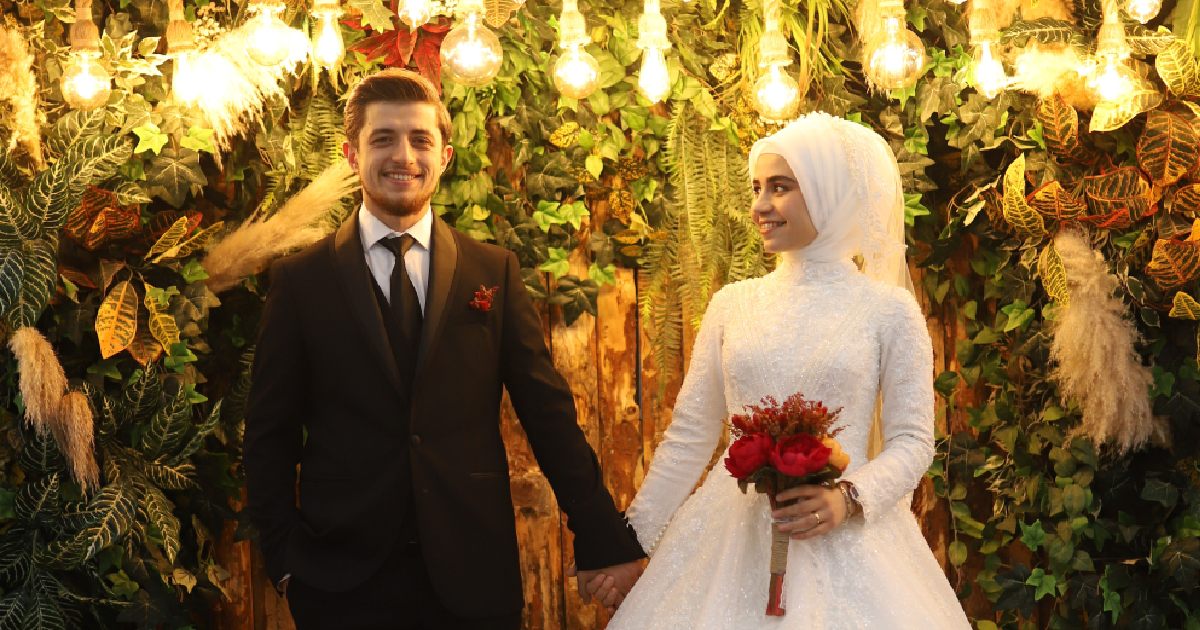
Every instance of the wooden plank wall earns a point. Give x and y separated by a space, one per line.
601 357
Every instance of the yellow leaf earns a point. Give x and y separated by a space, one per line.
197 242
116 321
1024 219
1178 69
1110 115
566 135
144 349
162 324
1185 307
170 238
1054 275
1174 263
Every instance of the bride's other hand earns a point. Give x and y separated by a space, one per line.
817 511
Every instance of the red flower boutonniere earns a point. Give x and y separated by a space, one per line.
483 298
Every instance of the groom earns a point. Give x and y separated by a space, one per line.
382 355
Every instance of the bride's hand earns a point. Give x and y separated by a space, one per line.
817 510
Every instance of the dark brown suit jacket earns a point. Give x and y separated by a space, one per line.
324 369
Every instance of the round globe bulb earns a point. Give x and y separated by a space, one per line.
414 13
85 83
776 95
1113 81
654 81
267 35
576 73
471 53
1143 10
990 78
329 48
900 60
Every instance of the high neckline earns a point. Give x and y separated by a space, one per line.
794 268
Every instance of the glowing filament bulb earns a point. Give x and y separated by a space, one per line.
776 94
900 60
1113 82
85 83
1143 10
414 13
654 82
329 48
576 73
268 35
186 84
471 53
990 78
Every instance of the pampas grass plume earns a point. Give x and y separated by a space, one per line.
42 380
18 86
73 432
254 244
1096 362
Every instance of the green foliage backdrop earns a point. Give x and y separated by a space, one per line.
1046 531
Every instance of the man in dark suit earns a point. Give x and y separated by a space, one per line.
381 359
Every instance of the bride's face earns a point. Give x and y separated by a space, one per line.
779 209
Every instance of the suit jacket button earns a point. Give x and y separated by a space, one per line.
415 439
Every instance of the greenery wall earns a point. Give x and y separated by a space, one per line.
1047 531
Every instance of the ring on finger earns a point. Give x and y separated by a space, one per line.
817 515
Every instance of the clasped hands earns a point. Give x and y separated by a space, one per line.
609 585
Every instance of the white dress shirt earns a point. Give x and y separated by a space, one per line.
380 259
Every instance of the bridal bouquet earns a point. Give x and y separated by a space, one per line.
779 446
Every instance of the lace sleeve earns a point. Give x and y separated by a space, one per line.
906 387
687 446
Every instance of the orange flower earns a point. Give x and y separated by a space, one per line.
837 457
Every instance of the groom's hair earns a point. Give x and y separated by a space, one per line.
393 85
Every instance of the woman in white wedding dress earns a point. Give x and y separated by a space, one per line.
825 189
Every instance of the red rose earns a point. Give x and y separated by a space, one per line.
800 455
748 454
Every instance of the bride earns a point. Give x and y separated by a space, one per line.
825 189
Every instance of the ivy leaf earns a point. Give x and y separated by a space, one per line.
200 139
172 174
946 383
1019 314
957 553
594 165
150 138
1161 492
557 264
1033 535
375 15
1182 561
606 275
1045 583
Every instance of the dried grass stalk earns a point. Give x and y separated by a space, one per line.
42 380
73 431
1096 362
19 87
254 244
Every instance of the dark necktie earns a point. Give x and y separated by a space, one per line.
404 304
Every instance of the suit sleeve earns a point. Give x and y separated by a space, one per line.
546 409
274 433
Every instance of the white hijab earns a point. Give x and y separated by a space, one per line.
851 185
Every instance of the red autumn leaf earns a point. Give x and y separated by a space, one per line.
428 54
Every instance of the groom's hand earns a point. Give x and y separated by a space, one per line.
608 585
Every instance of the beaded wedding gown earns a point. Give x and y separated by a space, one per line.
828 332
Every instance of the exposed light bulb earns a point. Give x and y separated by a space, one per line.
654 82
471 53
414 13
329 49
576 73
989 75
1143 10
186 82
1112 82
900 60
776 94
268 35
85 83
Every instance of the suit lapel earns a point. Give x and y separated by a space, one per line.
359 291
442 266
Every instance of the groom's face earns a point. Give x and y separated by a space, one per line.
399 156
